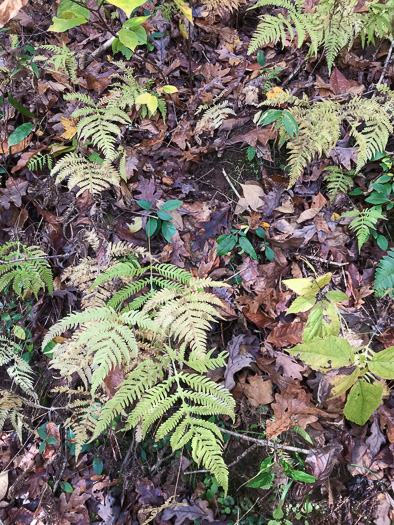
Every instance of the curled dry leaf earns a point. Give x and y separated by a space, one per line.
9 9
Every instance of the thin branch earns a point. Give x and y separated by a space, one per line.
385 67
264 442
231 184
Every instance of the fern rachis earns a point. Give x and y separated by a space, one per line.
384 276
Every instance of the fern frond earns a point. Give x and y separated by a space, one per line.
25 268
62 58
364 221
384 276
85 174
17 368
39 161
11 407
337 181
99 124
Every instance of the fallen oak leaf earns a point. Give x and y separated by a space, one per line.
258 391
9 9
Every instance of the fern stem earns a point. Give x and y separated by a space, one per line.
264 442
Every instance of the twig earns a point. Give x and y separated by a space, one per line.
264 442
326 261
37 258
228 466
231 184
385 67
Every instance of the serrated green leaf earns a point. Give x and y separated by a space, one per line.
382 363
336 296
363 399
301 304
20 133
341 383
225 245
325 352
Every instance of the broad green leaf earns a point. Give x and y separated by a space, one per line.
226 245
98 465
67 487
261 59
163 215
263 481
20 107
247 247
145 205
77 10
330 319
383 243
382 363
59 25
127 6
260 232
42 447
269 253
141 35
302 286
323 280
151 226
168 230
363 399
171 205
135 21
42 434
170 89
20 133
19 332
342 383
325 352
290 124
51 440
270 116
186 10
336 296
314 325
128 38
149 100
301 304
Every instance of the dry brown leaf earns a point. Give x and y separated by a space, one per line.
258 391
9 9
288 334
252 199
3 484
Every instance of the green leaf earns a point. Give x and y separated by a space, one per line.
383 243
278 513
151 226
357 191
51 440
170 89
148 99
20 107
261 59
247 247
41 432
269 253
135 22
336 296
263 481
77 10
260 232
98 465
382 363
163 215
168 230
363 399
226 244
128 38
42 447
270 116
145 205
59 25
377 198
341 383
67 487
307 286
301 304
299 475
290 124
251 153
171 205
20 133
325 352
127 6
19 332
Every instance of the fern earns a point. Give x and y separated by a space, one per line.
17 368
39 161
11 407
99 124
85 174
334 25
384 276
25 268
364 221
321 123
338 182
212 118
62 58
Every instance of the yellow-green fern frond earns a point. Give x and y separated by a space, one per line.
99 124
24 268
338 181
17 368
85 174
365 221
62 58
11 407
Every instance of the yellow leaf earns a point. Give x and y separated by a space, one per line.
59 339
183 29
274 92
335 217
136 225
128 6
186 10
149 100
70 126
170 89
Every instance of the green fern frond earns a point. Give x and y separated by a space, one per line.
39 161
17 368
25 268
11 407
365 221
99 124
85 174
62 58
338 181
384 276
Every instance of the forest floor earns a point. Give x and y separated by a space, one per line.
228 175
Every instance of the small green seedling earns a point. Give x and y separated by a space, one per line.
238 238
282 118
47 440
160 220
